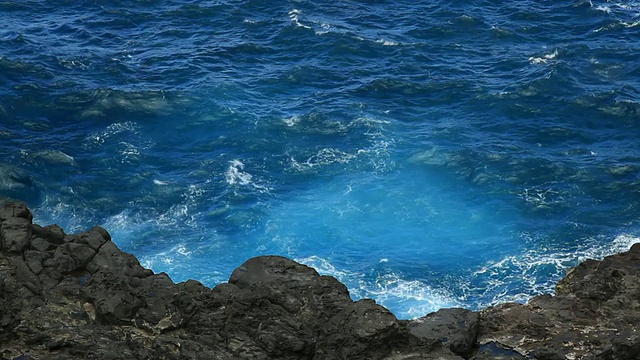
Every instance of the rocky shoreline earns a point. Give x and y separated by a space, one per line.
78 296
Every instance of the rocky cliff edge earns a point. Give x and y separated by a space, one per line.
78 296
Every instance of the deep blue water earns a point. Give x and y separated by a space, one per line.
427 153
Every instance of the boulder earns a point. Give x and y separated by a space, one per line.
456 329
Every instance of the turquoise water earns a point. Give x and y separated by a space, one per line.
427 154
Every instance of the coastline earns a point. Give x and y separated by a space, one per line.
77 296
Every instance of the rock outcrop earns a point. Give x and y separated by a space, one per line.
79 297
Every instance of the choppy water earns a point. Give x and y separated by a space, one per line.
427 153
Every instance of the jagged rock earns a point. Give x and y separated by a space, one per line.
79 297
595 315
15 234
52 233
9 210
456 329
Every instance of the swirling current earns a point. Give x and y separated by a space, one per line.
426 153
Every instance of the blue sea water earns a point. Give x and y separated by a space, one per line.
428 154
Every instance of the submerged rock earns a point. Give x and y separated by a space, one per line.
79 297
16 183
50 156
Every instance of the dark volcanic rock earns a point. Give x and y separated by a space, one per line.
595 315
79 297
456 329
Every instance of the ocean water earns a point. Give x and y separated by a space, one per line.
428 154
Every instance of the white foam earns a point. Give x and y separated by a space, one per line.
631 6
182 250
603 8
324 266
174 213
182 214
129 152
54 210
169 260
119 221
235 174
294 16
377 152
387 42
528 267
544 59
622 242
323 157
541 197
126 224
72 64
407 298
619 10
291 121
326 28
113 129
415 296
604 28
630 24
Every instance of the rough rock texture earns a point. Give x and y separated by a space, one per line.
594 315
79 297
